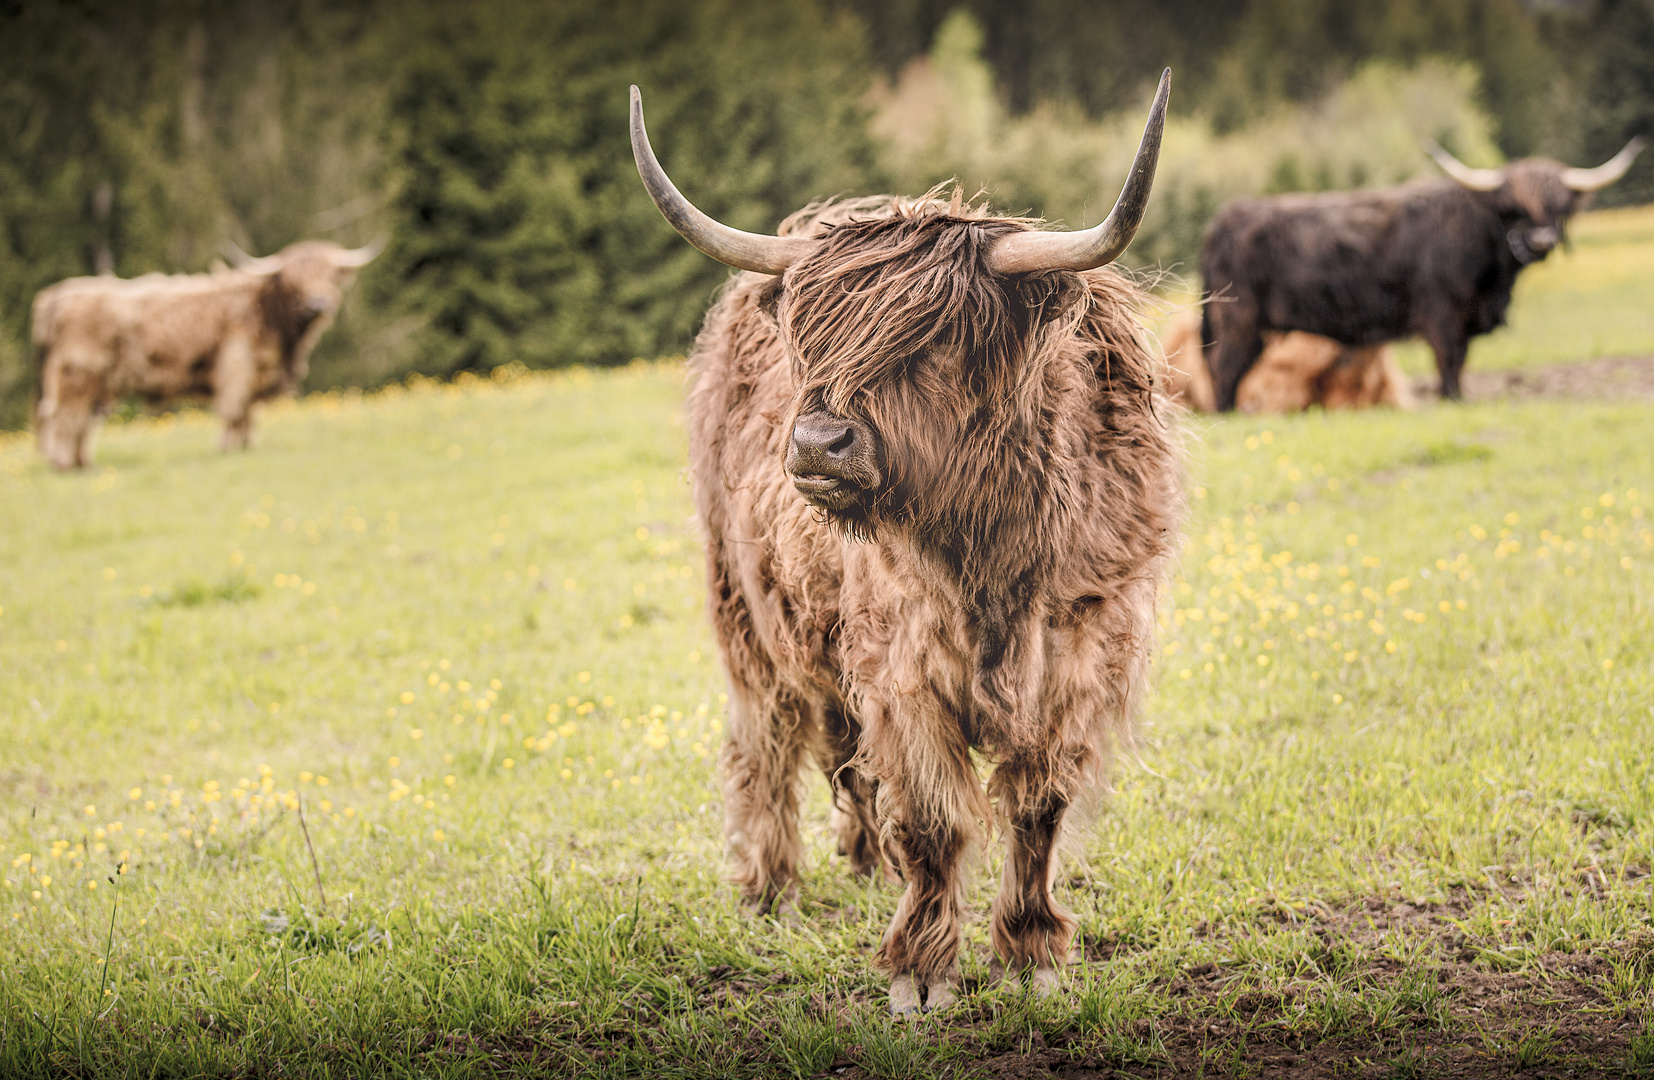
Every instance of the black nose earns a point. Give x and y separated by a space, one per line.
831 460
824 444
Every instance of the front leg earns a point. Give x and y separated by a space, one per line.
234 376
1451 345
921 946
929 806
1236 348
1031 931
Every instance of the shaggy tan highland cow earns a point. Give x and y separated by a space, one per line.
235 337
939 496
1295 371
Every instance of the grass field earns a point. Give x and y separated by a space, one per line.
388 749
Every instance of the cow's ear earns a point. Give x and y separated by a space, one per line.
1057 296
769 301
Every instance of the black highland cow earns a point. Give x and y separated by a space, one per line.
1432 258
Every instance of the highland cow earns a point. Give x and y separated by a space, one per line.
940 495
1433 258
235 337
1294 372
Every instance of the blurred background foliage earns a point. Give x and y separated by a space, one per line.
487 141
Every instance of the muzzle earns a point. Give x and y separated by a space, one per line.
831 460
1531 245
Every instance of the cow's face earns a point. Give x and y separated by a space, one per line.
906 357
1535 197
1538 205
908 332
312 280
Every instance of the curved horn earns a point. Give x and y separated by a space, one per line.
1027 252
361 256
743 250
1474 179
1600 177
239 259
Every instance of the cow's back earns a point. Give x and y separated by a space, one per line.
157 321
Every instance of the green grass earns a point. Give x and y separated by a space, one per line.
1413 830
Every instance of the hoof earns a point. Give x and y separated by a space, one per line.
1043 981
779 907
940 995
909 996
904 996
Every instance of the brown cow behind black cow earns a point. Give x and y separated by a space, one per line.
234 336
1295 371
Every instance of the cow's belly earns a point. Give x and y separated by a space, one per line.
1353 313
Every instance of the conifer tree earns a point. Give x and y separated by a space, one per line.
524 234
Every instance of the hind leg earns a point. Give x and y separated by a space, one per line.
1235 346
760 764
1451 345
853 814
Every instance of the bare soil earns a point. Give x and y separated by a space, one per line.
1614 378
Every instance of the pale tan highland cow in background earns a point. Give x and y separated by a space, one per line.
1295 371
235 337
939 496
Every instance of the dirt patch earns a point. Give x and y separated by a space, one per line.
1614 378
1551 1021
1460 1009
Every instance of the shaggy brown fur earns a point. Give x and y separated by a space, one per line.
995 592
1295 371
232 336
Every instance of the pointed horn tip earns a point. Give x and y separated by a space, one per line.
758 252
359 257
242 261
1610 171
1467 176
1034 251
